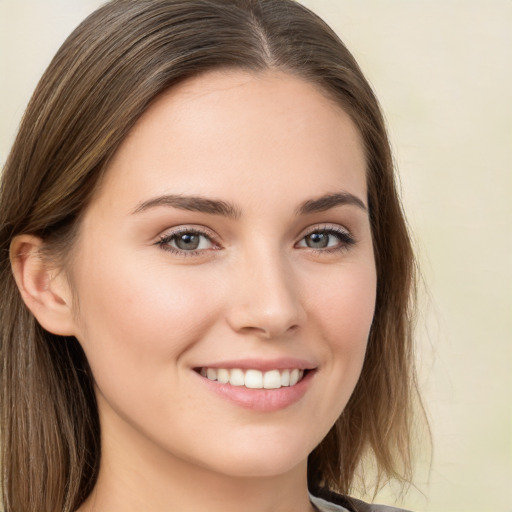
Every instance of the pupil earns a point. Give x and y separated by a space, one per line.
188 241
318 240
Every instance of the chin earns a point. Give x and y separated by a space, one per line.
263 459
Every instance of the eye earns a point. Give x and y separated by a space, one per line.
186 241
327 239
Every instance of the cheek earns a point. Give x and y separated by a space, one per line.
344 313
136 317
346 307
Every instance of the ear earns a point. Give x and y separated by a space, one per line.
44 288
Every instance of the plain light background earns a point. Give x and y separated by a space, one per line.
442 71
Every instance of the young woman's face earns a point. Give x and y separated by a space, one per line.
226 254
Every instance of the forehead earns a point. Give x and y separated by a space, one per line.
243 134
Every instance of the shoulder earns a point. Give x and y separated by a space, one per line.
328 501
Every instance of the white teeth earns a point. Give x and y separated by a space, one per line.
222 375
254 379
236 377
272 379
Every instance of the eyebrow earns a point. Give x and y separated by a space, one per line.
218 207
329 201
191 203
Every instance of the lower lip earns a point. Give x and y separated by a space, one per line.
264 400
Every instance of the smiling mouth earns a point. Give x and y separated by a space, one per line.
254 379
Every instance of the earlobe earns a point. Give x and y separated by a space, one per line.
43 288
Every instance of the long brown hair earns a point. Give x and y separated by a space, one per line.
102 79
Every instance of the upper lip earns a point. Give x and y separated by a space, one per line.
283 363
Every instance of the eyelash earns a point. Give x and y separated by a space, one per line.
345 239
165 240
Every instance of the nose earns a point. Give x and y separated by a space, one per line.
265 299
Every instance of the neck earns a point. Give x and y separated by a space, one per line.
137 476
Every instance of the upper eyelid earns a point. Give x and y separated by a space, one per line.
209 232
324 227
201 230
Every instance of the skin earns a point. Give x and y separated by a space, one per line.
147 316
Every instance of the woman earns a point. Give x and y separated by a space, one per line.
206 274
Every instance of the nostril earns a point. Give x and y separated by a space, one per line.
269 331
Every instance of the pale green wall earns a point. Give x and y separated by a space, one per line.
442 70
